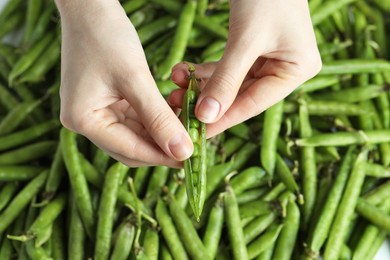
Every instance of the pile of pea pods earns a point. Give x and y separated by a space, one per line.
306 179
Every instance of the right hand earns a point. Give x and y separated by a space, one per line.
107 91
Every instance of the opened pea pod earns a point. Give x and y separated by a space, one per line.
195 166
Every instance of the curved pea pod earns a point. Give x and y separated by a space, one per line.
41 229
28 153
264 241
169 231
323 11
375 215
151 244
272 124
24 136
257 226
355 66
17 115
132 6
108 201
346 138
49 58
21 200
18 172
124 241
9 8
247 179
11 23
27 60
6 249
195 167
287 238
180 40
7 192
233 222
213 232
58 240
346 208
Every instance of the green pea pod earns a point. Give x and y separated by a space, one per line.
132 6
214 227
48 214
288 236
9 8
272 123
233 222
21 200
247 178
258 225
355 66
264 241
57 240
150 31
28 153
6 193
106 209
78 181
6 249
100 161
195 166
77 235
375 215
169 231
345 211
11 23
17 115
43 23
27 60
251 195
7 52
157 181
180 40
377 170
49 58
124 241
44 235
24 136
346 138
33 13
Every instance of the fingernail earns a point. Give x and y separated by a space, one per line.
181 147
208 110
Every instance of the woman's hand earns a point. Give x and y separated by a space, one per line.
107 91
271 50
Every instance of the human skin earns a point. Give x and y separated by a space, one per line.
270 51
109 95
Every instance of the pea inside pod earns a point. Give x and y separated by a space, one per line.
195 166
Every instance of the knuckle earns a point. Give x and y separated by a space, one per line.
74 121
311 63
223 84
160 122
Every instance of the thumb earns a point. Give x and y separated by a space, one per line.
222 87
157 117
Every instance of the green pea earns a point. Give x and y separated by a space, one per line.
194 134
195 178
194 123
195 164
191 96
196 150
